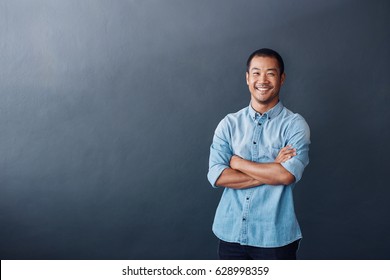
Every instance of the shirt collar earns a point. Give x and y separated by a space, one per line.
270 114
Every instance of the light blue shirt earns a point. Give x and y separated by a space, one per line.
261 216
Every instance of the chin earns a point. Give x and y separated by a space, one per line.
263 99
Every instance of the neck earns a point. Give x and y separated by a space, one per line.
263 107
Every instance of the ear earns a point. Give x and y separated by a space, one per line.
282 78
247 78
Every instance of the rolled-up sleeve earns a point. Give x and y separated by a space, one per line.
220 153
299 138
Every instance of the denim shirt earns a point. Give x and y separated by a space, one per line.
261 216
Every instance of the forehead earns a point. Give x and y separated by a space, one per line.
264 63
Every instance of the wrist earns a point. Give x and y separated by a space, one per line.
235 161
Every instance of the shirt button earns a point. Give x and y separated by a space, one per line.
247 198
243 219
254 142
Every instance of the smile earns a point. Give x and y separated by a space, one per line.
262 88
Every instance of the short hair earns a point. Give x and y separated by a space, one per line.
264 52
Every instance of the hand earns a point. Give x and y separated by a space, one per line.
234 161
285 154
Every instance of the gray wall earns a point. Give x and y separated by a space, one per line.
108 108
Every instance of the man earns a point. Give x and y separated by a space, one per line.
258 154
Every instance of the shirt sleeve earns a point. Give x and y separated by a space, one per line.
299 138
220 153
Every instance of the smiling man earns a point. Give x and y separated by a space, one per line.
258 154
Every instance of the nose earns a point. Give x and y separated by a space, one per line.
263 78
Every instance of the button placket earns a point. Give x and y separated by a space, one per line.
245 217
256 137
255 140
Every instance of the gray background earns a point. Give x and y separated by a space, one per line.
108 108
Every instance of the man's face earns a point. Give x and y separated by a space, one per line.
264 81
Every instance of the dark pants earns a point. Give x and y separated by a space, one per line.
235 251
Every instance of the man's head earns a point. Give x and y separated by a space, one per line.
265 75
266 53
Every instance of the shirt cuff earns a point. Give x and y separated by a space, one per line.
214 173
295 167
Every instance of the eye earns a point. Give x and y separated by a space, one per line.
256 74
271 74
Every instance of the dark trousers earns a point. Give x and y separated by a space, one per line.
236 251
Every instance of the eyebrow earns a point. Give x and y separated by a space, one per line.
269 69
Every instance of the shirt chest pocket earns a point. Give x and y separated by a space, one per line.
268 153
258 152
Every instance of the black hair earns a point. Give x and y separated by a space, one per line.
266 53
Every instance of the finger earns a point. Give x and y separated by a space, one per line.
285 154
288 152
288 147
287 157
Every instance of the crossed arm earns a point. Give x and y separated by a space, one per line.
246 174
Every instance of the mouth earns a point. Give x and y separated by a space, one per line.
262 88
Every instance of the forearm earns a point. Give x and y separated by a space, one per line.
269 173
231 178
